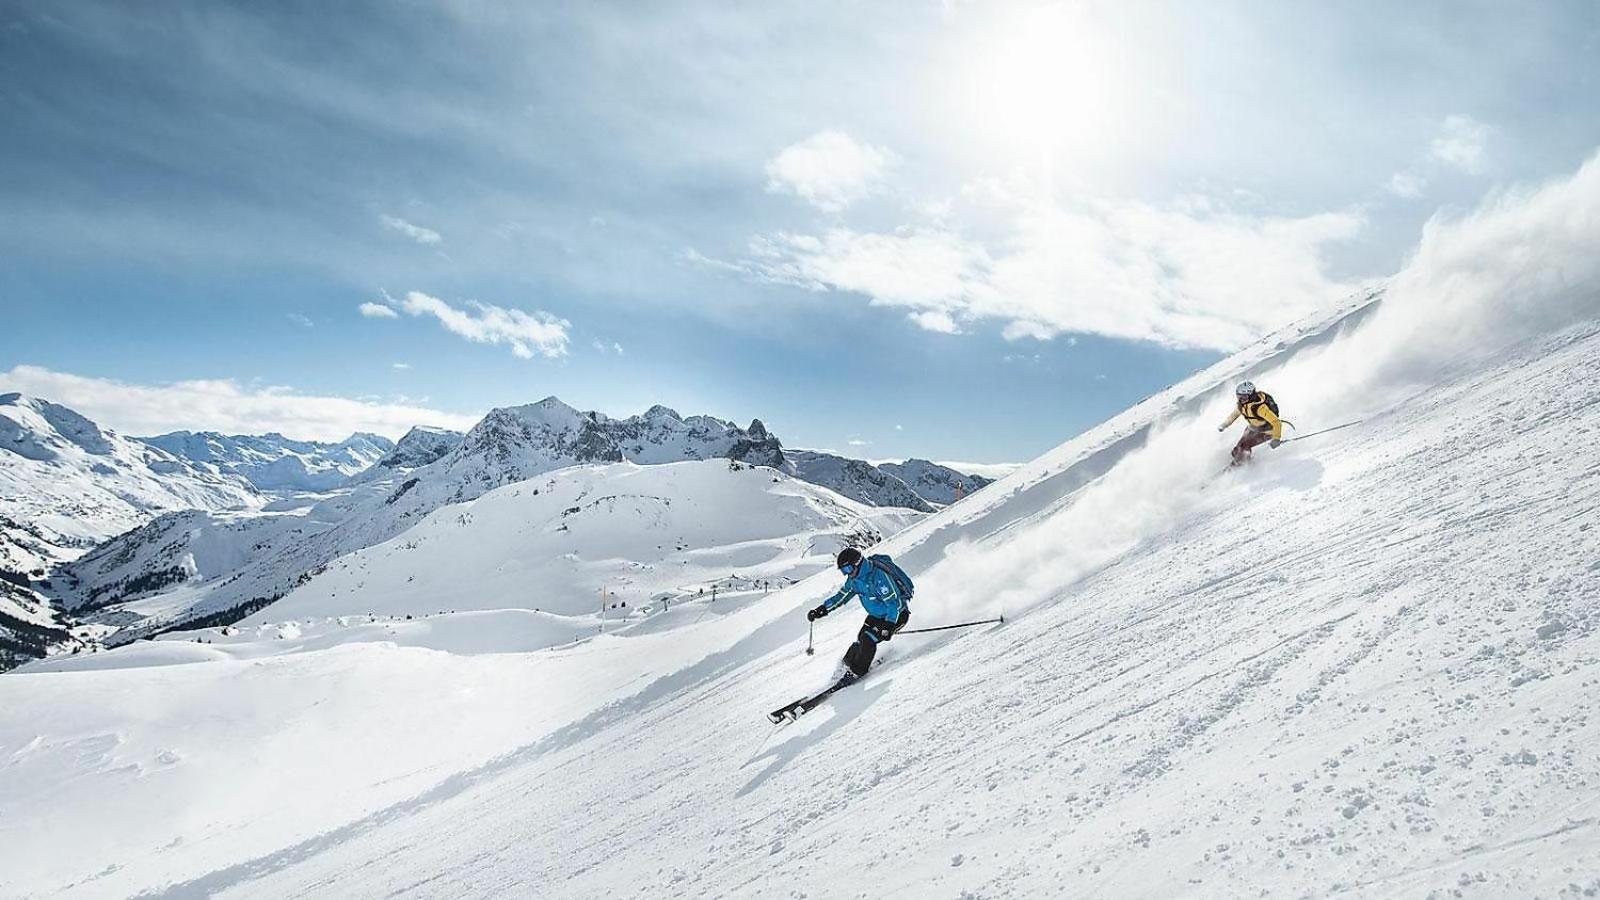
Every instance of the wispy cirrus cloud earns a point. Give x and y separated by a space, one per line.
528 334
224 405
830 170
424 236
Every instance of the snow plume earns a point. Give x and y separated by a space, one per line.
1146 493
1520 266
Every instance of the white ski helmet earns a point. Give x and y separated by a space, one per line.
1245 389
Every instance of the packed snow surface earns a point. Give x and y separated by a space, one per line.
1367 663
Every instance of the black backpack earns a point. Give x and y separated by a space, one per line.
902 581
1265 398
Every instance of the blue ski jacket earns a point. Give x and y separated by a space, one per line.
879 596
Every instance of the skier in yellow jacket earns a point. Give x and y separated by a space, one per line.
1260 413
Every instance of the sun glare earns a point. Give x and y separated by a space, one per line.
1041 85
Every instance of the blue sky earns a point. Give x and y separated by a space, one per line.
965 231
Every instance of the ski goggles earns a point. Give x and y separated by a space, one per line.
850 569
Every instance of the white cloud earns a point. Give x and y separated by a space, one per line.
929 269
1407 184
417 233
378 311
830 170
1176 276
402 366
302 321
858 442
936 320
1461 143
603 347
527 334
987 470
223 405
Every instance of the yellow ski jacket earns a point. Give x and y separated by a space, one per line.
1258 415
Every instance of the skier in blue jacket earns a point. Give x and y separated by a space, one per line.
887 610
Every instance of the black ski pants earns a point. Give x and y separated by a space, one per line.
873 632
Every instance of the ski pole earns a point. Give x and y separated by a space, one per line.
948 627
1301 437
811 632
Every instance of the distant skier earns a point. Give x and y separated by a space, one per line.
885 591
1261 420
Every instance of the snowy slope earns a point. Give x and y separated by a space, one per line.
273 462
552 543
29 627
1365 664
66 483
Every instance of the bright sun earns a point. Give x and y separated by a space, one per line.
1041 84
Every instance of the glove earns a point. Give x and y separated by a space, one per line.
815 614
1275 443
1222 428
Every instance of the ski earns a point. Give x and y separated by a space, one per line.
806 704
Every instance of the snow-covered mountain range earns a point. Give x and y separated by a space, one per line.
67 484
273 462
935 483
854 478
226 549
420 446
202 567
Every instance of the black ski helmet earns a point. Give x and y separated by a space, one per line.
848 557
